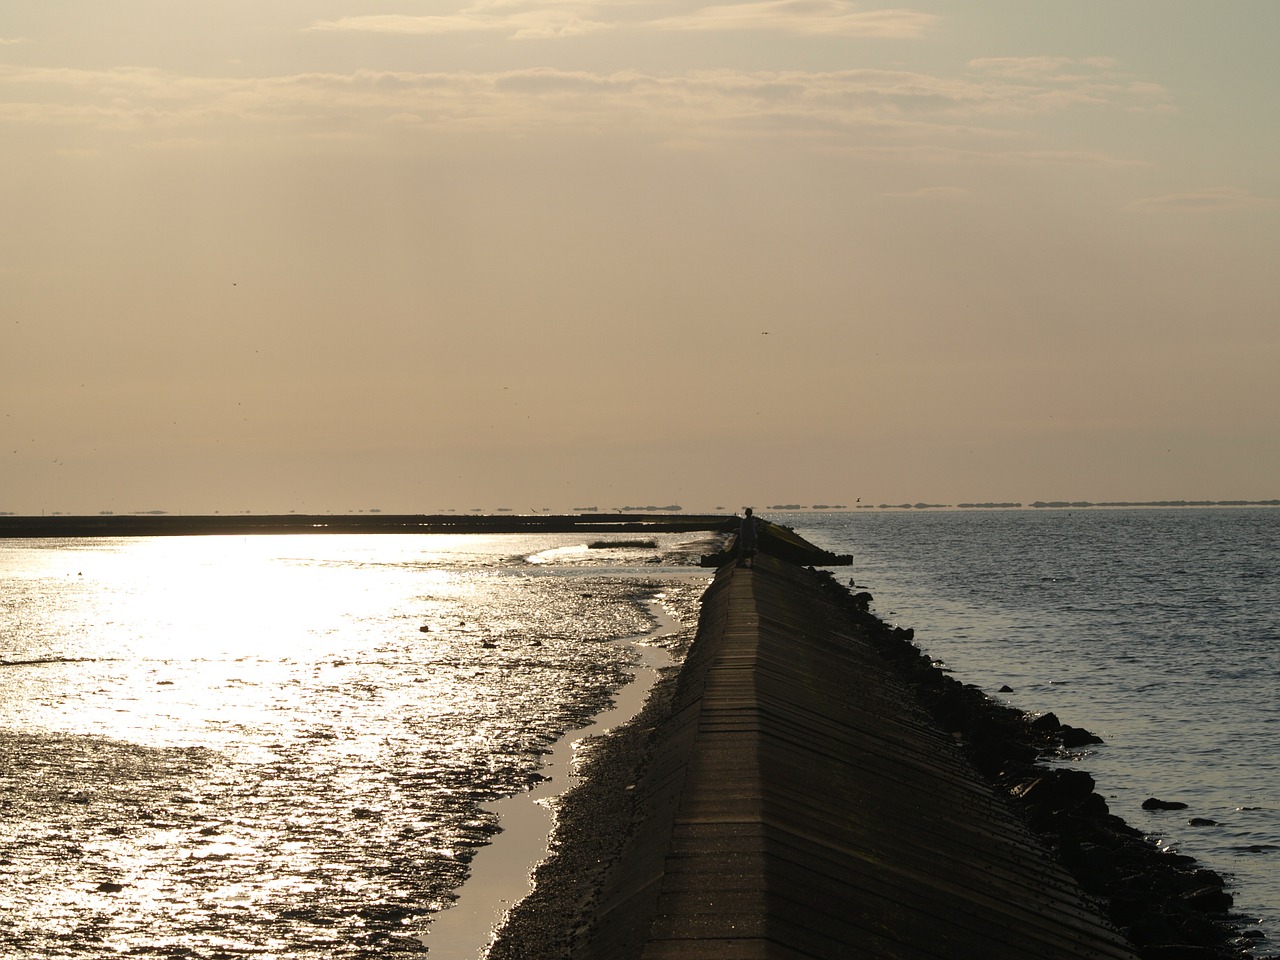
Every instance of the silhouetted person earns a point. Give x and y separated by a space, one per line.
747 540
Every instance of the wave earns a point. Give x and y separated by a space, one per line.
555 554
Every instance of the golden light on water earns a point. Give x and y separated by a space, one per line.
280 743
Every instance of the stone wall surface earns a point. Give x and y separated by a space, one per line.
801 802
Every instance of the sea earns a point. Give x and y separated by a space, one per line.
299 746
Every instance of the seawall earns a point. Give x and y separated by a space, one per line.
801 803
811 786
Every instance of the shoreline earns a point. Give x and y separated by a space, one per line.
501 874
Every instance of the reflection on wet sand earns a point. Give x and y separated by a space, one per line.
318 795
501 873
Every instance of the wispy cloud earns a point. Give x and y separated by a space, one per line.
1040 68
930 118
1210 200
833 17
12 41
562 20
521 20
1050 84
943 155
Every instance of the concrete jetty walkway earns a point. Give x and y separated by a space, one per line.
801 804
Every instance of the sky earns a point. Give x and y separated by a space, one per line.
409 256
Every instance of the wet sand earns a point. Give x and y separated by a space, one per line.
501 873
594 822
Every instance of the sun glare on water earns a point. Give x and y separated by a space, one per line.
279 743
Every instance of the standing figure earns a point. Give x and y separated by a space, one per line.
747 540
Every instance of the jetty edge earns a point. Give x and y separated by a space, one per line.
781 542
809 785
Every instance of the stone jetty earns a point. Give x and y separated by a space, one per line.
801 803
811 786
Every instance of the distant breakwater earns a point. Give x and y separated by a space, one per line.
1047 505
151 525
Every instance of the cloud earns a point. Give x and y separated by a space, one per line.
944 155
553 21
523 21
1045 67
394 23
1210 200
1052 84
12 41
831 17
923 117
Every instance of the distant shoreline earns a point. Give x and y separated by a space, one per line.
164 524
149 525
1036 505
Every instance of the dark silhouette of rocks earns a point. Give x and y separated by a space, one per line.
1166 904
1153 803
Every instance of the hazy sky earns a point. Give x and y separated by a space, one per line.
354 254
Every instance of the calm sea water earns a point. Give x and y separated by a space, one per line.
284 746
1159 630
